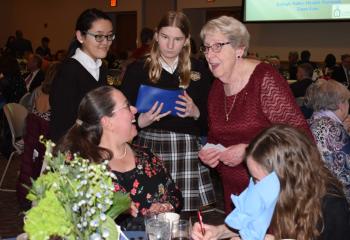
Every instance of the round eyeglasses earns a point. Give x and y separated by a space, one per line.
126 105
101 37
216 47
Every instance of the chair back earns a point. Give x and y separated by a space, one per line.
16 115
27 100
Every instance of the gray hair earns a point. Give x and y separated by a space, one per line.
233 29
326 95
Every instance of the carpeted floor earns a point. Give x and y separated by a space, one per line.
11 218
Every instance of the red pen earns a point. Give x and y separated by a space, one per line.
201 221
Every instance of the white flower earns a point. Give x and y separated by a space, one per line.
95 236
93 210
94 223
103 216
105 233
75 208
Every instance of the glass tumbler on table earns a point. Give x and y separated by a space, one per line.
180 230
158 229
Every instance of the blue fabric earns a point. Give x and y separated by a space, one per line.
254 208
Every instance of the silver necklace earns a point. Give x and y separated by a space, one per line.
227 113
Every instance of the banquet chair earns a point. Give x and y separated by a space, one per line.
27 101
15 115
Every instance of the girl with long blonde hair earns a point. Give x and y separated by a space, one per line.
175 137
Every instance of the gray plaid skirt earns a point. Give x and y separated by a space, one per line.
179 153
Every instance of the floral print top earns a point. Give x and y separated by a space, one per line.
148 182
334 144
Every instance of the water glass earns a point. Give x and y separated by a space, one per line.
158 229
180 230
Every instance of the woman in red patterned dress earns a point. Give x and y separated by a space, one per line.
246 97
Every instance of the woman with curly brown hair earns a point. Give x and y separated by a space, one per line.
311 203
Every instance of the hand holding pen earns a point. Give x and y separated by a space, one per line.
200 219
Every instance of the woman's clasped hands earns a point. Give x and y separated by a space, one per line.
232 156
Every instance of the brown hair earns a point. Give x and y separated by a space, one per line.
179 20
85 135
303 177
49 76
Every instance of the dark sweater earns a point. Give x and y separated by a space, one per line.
137 74
70 85
299 88
336 218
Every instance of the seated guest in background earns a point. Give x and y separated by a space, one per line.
275 62
329 125
12 86
304 79
44 50
60 55
342 73
293 58
146 41
36 75
37 124
305 57
102 131
8 49
21 45
311 202
253 55
330 63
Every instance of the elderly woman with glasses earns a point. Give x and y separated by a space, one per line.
102 131
82 71
246 97
330 125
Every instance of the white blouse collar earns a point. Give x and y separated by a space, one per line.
169 68
92 66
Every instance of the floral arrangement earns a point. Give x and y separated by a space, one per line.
74 199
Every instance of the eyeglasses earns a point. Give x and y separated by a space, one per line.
125 105
216 47
101 37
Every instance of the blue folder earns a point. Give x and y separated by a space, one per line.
148 95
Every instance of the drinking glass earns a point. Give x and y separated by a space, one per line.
158 229
180 230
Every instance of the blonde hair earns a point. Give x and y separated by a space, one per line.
304 180
326 95
233 29
179 20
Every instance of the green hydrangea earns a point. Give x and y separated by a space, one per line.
48 218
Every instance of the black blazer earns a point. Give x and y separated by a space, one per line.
37 80
339 75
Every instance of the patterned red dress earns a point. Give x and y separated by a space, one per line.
265 100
